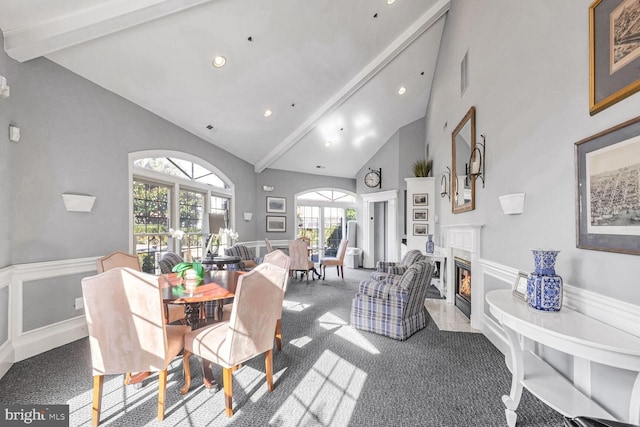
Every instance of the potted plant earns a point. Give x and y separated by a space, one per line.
190 271
422 167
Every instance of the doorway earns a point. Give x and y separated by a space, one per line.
380 231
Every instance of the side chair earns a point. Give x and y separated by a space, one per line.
337 260
127 332
247 334
279 259
173 312
299 253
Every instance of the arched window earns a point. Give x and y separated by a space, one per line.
322 216
174 191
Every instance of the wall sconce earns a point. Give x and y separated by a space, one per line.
476 162
268 188
14 133
445 183
512 204
78 202
248 216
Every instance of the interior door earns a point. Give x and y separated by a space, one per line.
380 231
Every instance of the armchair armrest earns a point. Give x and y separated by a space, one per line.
383 266
382 289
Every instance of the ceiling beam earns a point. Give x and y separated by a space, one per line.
421 25
42 38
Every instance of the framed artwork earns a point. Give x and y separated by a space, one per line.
607 190
520 286
420 214
276 204
614 52
420 229
420 199
276 224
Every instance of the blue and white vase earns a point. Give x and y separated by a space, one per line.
430 244
544 286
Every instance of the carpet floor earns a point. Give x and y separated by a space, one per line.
327 374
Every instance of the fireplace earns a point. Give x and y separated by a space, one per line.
463 285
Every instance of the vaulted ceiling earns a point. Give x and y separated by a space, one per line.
330 71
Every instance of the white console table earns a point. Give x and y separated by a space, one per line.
439 258
570 332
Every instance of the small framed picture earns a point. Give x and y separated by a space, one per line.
276 224
420 199
520 286
420 229
276 204
420 214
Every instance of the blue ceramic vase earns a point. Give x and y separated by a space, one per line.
430 245
544 286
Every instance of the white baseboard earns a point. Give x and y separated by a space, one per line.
49 337
7 356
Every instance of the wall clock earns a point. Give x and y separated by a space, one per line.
373 178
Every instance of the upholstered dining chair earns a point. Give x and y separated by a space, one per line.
127 332
247 334
280 259
299 254
337 260
268 244
172 312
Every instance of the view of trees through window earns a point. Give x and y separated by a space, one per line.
154 204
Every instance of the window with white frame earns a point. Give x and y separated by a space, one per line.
174 193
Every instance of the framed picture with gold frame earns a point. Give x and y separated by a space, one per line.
614 52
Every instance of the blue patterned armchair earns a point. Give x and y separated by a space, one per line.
385 268
393 307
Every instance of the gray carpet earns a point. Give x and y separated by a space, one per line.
327 374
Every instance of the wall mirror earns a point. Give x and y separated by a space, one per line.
463 142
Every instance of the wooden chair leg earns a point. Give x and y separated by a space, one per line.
268 367
162 390
227 378
324 270
98 382
279 334
187 372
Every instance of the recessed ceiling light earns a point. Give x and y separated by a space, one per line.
327 144
391 1
209 127
219 61
402 90
268 113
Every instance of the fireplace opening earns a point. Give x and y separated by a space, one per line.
463 285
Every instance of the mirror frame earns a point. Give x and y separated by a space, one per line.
471 205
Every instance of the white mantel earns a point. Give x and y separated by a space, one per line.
464 237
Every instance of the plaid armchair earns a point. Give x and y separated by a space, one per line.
246 255
385 268
393 307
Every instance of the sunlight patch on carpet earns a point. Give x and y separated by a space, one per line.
294 305
327 395
301 342
330 321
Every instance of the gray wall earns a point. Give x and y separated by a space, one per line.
531 96
287 184
8 70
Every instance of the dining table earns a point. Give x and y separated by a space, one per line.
216 286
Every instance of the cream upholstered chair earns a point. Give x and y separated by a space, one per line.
248 333
280 259
299 254
268 244
337 260
117 259
127 332
172 312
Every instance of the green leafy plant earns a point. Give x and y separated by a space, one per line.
422 168
181 268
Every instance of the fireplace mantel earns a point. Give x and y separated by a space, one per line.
465 238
